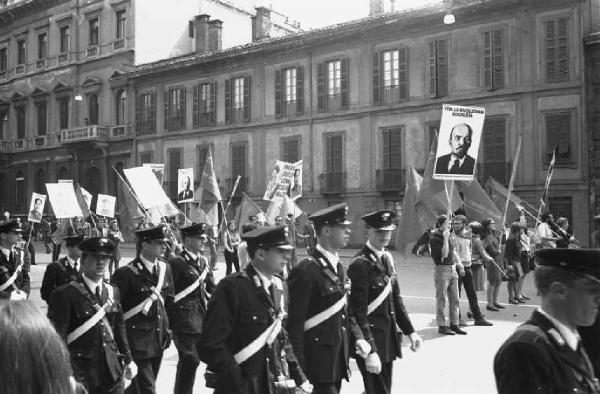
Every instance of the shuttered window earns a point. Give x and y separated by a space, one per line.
237 100
334 154
145 114
20 115
390 76
558 135
493 58
174 109
437 52
494 140
332 85
392 148
42 117
290 149
238 160
204 105
289 91
556 45
202 152
145 157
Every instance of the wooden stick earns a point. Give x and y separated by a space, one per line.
512 180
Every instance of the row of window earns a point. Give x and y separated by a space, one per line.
63 108
390 82
64 43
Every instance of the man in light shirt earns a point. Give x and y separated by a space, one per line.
545 354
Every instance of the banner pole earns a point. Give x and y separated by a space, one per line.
132 193
237 181
512 180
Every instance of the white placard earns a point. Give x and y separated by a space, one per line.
146 187
105 205
87 196
158 169
63 200
458 142
185 185
36 207
286 179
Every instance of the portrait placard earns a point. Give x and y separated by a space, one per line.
63 200
185 185
286 179
105 205
36 207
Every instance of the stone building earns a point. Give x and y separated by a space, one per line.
360 101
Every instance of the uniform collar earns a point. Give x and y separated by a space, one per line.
72 262
333 258
378 253
92 285
147 263
5 252
192 255
266 282
571 337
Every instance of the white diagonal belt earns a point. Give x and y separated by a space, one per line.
188 290
145 305
326 314
380 298
92 321
12 279
266 338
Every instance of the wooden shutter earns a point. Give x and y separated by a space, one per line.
550 51
386 149
487 59
392 148
337 153
403 72
181 114
138 115
247 81
497 59
494 140
166 110
441 68
152 127
558 135
213 103
278 98
291 150
196 107
202 155
321 87
238 160
376 78
557 49
345 99
299 90
432 68
563 49
228 114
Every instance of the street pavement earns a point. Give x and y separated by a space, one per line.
445 364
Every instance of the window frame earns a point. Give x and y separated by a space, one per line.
120 24
41 124
21 51
573 158
21 123
93 31
3 58
288 139
42 46
64 39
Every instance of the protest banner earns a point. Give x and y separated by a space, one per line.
36 207
286 179
87 197
63 200
185 184
105 205
458 143
158 169
146 187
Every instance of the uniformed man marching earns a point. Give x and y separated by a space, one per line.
14 274
545 355
192 280
146 286
64 270
318 322
376 304
87 313
243 337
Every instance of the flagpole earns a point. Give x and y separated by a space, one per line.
546 186
512 180
132 193
237 181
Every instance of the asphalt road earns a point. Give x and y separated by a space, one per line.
444 364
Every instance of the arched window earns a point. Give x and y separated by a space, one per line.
40 182
121 107
93 109
63 173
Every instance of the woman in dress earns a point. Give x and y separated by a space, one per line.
491 243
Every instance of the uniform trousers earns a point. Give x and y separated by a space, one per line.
327 388
188 361
145 381
376 384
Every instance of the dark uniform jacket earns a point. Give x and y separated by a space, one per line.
97 355
590 337
187 314
369 276
536 359
7 269
323 351
239 311
148 334
57 273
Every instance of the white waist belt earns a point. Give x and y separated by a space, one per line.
326 314
380 298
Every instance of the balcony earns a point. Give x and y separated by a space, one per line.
19 144
92 51
390 180
119 43
6 146
63 57
40 141
85 134
332 183
242 186
120 131
392 95
20 69
333 102
40 63
499 171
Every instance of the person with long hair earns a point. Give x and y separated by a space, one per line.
479 258
34 359
491 243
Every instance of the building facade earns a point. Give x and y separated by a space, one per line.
359 102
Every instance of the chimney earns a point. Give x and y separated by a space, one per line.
376 7
201 33
215 35
261 24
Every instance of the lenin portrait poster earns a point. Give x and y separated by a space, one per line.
458 142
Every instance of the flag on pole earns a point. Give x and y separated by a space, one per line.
208 195
129 212
548 178
288 206
432 200
247 208
410 227
478 204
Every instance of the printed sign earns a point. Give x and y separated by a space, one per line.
185 185
105 206
63 200
36 207
286 179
